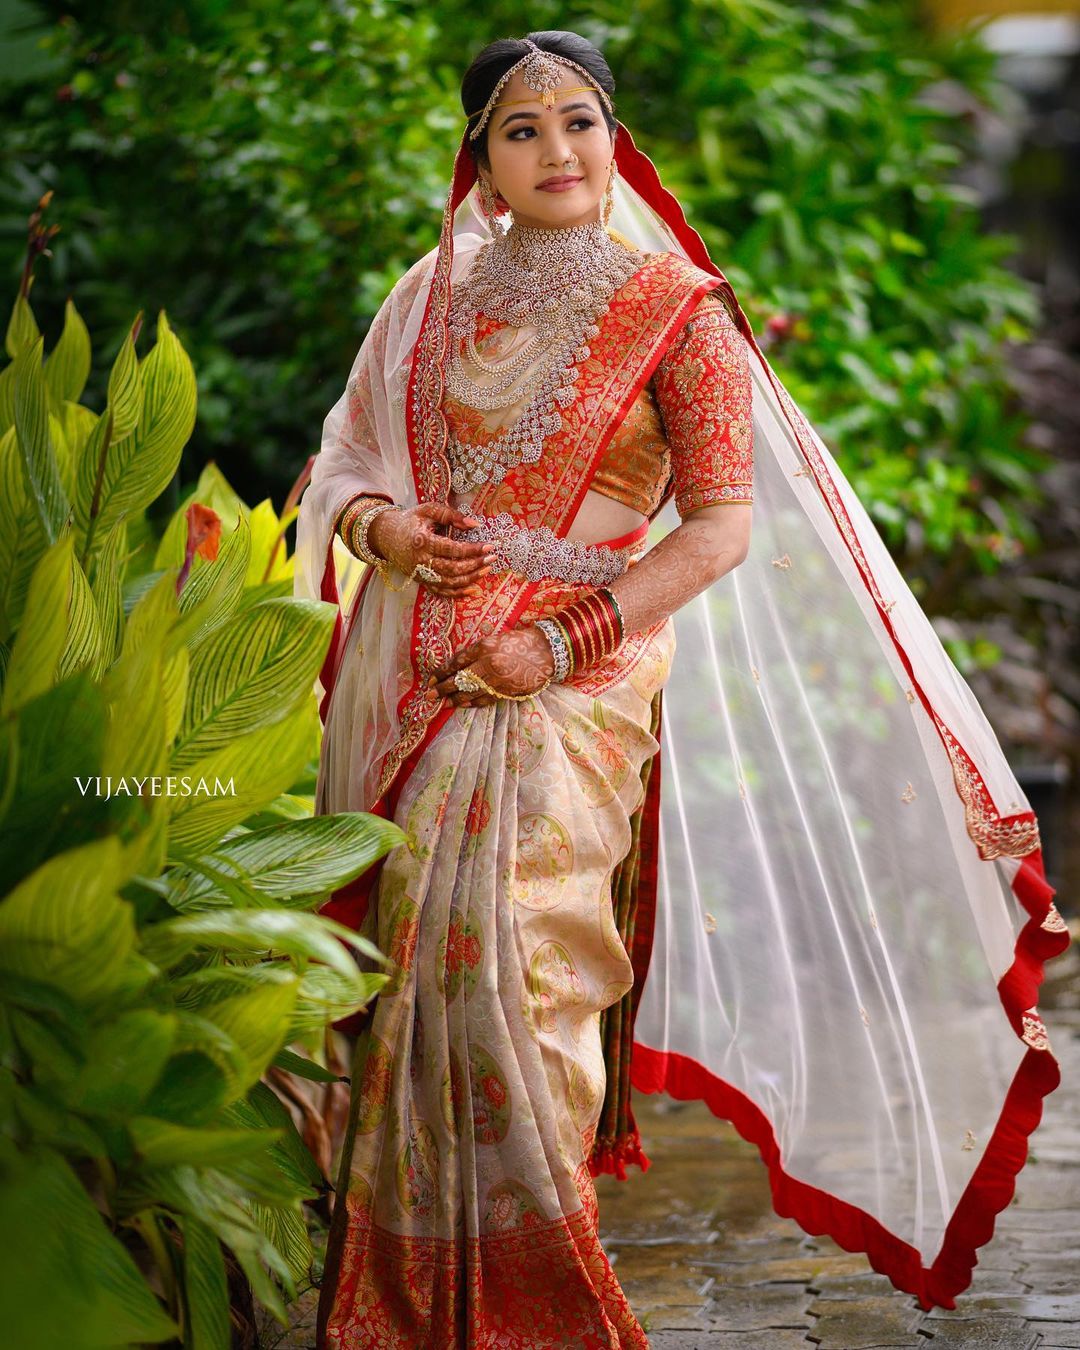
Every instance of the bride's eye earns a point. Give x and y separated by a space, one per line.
585 122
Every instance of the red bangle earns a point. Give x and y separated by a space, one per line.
593 628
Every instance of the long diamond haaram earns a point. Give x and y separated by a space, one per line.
559 281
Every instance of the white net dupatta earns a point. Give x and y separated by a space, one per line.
851 912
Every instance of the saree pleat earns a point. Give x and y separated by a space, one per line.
466 1214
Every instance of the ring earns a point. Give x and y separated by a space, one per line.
467 682
428 574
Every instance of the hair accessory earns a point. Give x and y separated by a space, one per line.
539 71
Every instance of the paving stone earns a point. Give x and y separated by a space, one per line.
756 1309
987 1333
675 1318
728 1340
1057 1335
851 1324
1032 1307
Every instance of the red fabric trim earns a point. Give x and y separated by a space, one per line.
993 1182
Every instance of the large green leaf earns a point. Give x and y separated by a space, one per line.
206 1288
22 330
296 863
125 1059
301 936
134 688
213 590
65 925
43 636
251 771
251 673
22 540
44 488
65 1280
161 1143
56 757
68 364
145 449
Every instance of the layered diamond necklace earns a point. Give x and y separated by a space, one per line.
559 281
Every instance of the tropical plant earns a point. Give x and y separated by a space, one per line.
159 953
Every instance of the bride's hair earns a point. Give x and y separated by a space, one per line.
490 65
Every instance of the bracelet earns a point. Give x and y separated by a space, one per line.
470 683
560 647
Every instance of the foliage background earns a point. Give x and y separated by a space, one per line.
268 171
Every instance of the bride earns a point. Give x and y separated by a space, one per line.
828 925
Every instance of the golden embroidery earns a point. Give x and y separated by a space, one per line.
908 794
783 561
969 1141
887 606
1054 923
710 923
864 1015
1035 1030
910 695
742 790
704 392
873 919
754 672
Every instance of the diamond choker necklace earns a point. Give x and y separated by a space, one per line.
558 280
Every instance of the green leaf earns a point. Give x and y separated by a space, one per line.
68 365
296 863
65 925
206 1288
65 1280
251 673
42 638
42 475
160 1143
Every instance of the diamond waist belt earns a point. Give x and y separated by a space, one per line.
539 553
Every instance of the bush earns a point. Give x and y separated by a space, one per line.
158 953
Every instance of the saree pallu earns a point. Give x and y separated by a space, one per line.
468 1215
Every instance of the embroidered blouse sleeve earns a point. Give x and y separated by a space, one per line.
703 392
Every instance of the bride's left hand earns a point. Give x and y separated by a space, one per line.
518 661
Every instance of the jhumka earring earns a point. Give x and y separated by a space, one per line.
491 211
609 197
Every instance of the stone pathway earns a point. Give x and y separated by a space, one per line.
715 1269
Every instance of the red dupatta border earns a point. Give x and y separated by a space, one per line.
1045 935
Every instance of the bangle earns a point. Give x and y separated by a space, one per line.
359 532
560 647
592 626
613 600
352 509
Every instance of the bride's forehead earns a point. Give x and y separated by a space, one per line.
515 90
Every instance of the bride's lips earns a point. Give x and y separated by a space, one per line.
562 184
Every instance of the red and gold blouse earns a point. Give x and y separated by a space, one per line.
688 433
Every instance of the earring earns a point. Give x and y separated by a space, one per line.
609 198
491 211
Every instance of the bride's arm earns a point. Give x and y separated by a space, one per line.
704 392
684 563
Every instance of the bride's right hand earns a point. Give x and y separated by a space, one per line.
415 535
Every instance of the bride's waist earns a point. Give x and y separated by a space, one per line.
538 553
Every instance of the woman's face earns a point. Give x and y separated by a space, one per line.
528 143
